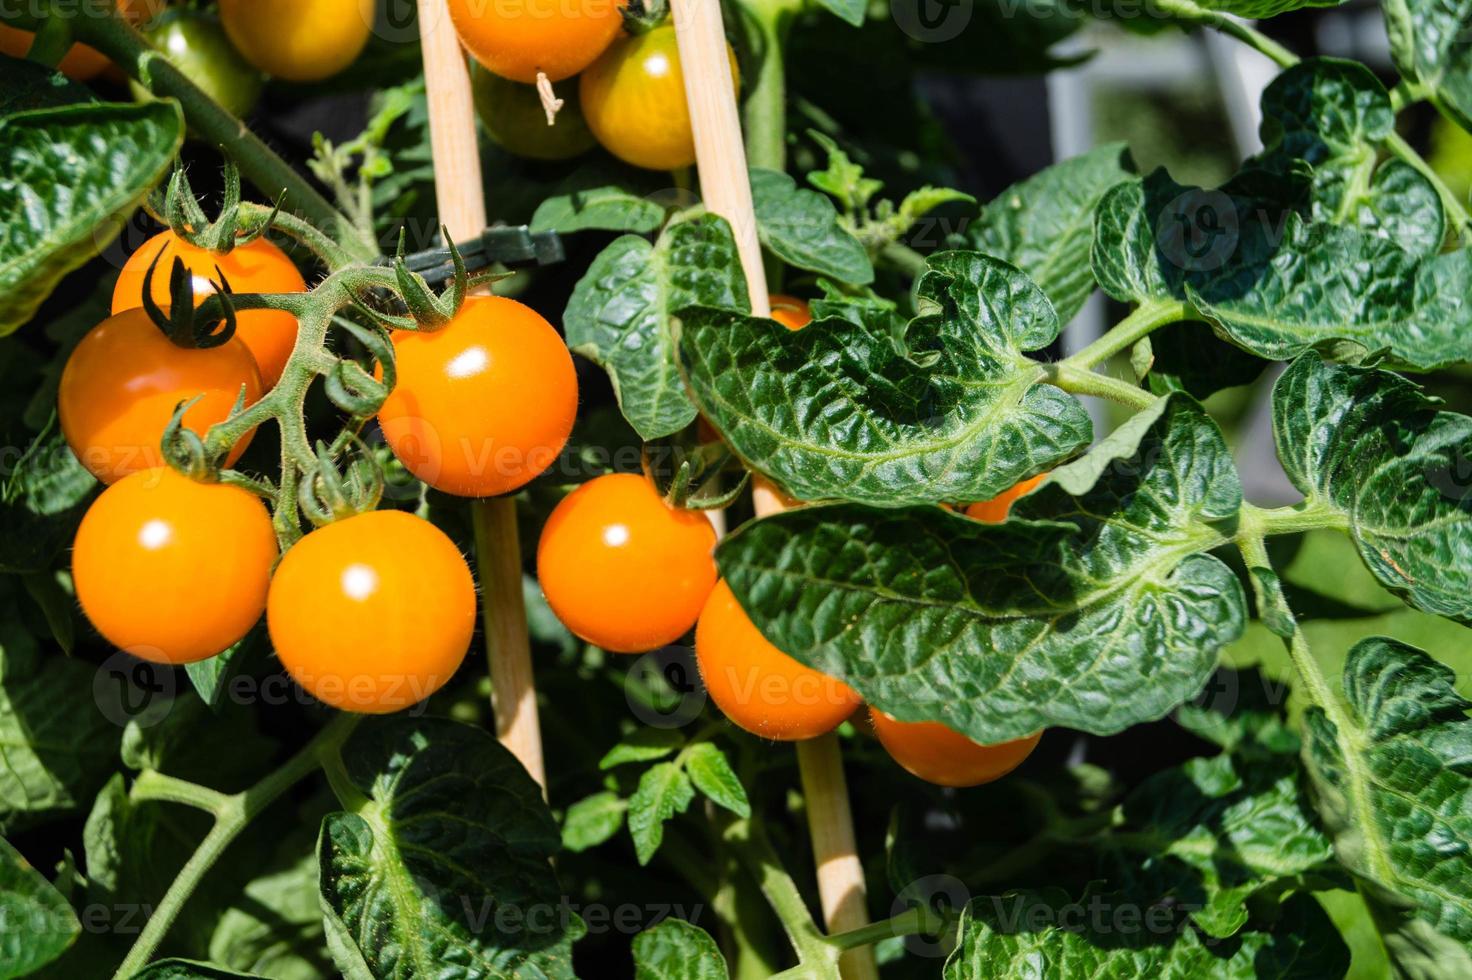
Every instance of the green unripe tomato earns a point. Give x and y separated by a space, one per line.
513 116
198 47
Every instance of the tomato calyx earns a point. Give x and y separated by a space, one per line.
210 324
697 483
328 493
643 16
236 225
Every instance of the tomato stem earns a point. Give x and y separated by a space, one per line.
1079 381
1150 316
232 815
152 785
755 853
1186 10
918 920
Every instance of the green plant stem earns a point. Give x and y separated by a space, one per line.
1455 210
765 109
1146 319
1079 381
904 258
1188 11
152 785
756 855
271 175
911 922
232 815
324 247
1405 94
51 42
1306 516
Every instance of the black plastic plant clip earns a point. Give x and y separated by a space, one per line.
505 245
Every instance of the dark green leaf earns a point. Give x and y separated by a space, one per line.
69 177
948 409
176 969
1263 9
664 790
1389 770
598 208
38 923
447 861
801 228
592 820
1112 937
713 776
1189 357
848 10
1241 711
212 678
1368 444
677 950
619 314
1044 225
275 927
1428 42
32 86
41 504
1093 608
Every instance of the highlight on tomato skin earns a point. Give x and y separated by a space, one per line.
623 569
995 510
372 613
172 570
757 686
940 755
485 403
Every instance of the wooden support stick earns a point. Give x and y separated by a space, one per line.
462 207
726 188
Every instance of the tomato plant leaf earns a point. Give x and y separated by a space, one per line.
664 790
619 314
593 820
801 228
1009 935
1044 225
41 503
1226 828
644 745
608 208
1428 45
69 178
947 409
1389 775
1368 444
712 774
677 950
1189 357
39 924
275 928
448 813
851 11
177 969
1093 608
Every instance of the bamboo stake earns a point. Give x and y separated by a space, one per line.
462 207
726 187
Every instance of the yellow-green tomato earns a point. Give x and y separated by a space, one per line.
512 114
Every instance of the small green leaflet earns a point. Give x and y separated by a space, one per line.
1370 445
1094 608
664 790
1390 778
608 208
69 178
1226 828
948 409
446 861
677 950
712 775
801 228
1115 937
592 820
619 314
1332 115
1044 225
851 11
1428 42
644 745
38 923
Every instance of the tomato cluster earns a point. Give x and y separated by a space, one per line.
630 93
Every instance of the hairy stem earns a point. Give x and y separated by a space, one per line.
755 853
1083 382
765 113
232 815
1309 515
914 921
1149 317
1241 30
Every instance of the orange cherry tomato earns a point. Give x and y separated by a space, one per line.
483 404
945 757
297 41
791 312
995 511
259 267
758 686
556 37
373 613
171 570
121 385
634 101
623 569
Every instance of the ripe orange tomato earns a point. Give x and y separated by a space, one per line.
995 511
121 385
483 404
634 101
259 267
171 570
945 757
300 42
556 37
758 686
791 312
621 568
373 613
